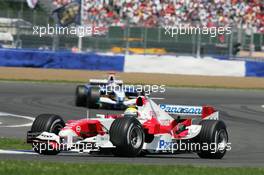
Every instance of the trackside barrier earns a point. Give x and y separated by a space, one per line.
187 65
254 69
184 65
60 60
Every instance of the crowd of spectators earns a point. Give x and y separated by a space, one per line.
149 13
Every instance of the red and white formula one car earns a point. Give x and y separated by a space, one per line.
147 128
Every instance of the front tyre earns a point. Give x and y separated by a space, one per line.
80 95
214 134
93 97
49 123
128 136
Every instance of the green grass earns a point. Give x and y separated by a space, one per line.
10 144
12 167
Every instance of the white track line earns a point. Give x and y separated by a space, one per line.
16 152
157 98
262 106
31 152
18 116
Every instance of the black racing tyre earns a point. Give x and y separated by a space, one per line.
128 136
93 97
135 94
214 134
80 95
49 123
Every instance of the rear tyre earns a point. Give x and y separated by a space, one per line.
128 136
214 134
93 97
80 95
49 123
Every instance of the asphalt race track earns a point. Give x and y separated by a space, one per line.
241 110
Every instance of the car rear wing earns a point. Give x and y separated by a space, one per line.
103 82
206 112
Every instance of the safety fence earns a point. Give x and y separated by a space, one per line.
129 39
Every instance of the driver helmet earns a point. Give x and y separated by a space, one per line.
131 112
111 79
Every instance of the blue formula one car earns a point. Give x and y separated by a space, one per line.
106 93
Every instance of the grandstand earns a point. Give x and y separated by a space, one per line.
138 26
151 13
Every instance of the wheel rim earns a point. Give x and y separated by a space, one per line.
136 137
80 91
221 140
56 128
